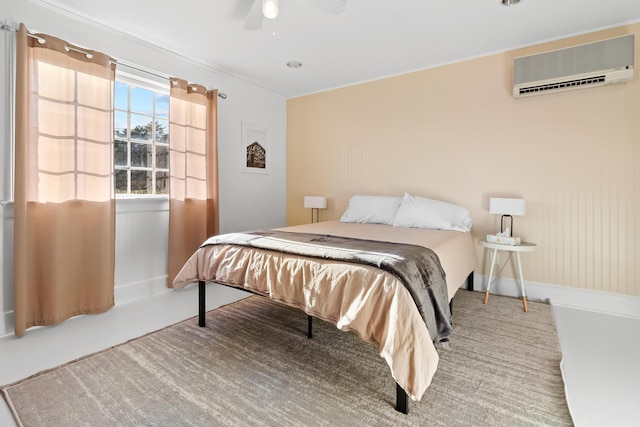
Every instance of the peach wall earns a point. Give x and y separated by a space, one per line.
455 133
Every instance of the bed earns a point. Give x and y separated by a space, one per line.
362 297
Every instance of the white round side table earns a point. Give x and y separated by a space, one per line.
495 247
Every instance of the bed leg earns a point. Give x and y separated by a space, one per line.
309 326
201 304
470 281
401 400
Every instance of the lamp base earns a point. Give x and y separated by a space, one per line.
317 215
510 218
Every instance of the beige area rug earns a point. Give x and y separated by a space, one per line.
253 365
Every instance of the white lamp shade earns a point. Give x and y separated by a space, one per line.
507 206
315 202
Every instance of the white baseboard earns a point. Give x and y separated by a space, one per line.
563 296
6 323
138 290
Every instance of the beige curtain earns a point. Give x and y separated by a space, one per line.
64 210
193 163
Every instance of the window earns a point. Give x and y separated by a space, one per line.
141 138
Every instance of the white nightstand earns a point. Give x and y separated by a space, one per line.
523 247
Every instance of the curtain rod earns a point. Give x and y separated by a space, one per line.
154 73
6 27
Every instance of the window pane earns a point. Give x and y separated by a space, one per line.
162 157
141 127
162 106
141 182
162 182
162 131
121 181
140 155
120 155
120 124
120 96
141 140
141 100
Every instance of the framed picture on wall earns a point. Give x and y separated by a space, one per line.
255 148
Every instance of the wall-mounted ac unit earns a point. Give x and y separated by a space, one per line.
589 65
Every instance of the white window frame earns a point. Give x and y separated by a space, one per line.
159 86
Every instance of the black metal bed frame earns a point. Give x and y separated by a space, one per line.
402 401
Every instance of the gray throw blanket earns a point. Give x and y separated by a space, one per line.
418 268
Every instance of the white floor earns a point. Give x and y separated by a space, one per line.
600 366
601 373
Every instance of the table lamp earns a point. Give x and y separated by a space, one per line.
315 203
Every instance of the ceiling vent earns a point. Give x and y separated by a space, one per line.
589 65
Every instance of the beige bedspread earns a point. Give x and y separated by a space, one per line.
356 297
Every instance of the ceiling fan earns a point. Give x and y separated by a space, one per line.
261 9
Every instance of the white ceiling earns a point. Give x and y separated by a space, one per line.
372 39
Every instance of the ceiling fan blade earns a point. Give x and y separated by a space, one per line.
335 7
254 17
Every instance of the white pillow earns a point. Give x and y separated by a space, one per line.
420 212
372 209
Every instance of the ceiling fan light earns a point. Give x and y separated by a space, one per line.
270 8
